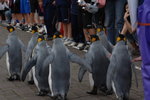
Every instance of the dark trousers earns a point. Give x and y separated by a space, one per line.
50 19
77 28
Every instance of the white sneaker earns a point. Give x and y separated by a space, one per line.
68 41
78 46
72 44
64 39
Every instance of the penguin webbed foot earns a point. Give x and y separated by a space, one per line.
106 91
14 77
59 97
30 82
42 93
94 91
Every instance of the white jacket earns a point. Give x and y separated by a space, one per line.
3 6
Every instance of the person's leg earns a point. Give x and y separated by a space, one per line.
8 16
65 14
144 44
69 32
119 14
49 19
110 20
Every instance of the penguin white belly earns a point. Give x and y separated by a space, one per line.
114 88
34 78
50 79
7 63
30 75
91 80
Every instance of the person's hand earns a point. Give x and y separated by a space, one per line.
53 3
126 15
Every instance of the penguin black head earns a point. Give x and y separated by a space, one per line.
10 28
121 38
94 38
34 29
41 37
57 35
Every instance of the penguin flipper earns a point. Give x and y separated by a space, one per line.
108 55
110 72
28 67
81 73
3 50
76 59
22 45
133 66
31 45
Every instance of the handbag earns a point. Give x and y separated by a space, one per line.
101 3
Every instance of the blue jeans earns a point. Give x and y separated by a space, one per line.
8 16
114 12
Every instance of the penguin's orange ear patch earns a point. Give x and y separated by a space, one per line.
93 39
39 39
119 39
54 36
33 31
98 29
60 36
11 30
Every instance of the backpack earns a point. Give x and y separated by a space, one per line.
101 3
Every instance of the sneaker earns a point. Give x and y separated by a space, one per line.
79 45
68 41
72 44
64 39
41 29
17 25
86 48
82 47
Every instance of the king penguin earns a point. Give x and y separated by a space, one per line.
104 40
41 51
98 58
30 48
13 51
119 74
59 67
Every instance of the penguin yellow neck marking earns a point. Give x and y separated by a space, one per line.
57 36
94 40
39 39
100 29
119 39
11 30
